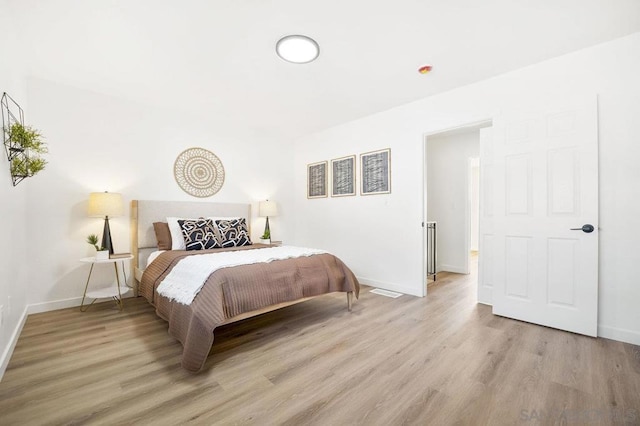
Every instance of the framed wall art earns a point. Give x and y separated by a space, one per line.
343 176
375 172
317 180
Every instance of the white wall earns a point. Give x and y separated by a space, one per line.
380 237
98 143
14 259
447 194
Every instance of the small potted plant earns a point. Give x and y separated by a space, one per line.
266 237
101 252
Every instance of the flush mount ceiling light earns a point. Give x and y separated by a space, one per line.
297 49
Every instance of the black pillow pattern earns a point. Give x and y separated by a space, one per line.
234 232
200 234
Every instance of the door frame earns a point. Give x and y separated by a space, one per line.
472 163
425 139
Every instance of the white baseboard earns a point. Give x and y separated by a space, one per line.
8 351
36 308
619 334
452 268
390 286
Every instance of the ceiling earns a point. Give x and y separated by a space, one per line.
216 58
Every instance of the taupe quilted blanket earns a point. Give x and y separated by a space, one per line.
233 291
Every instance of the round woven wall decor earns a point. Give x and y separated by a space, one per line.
199 172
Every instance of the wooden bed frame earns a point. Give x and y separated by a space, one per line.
143 239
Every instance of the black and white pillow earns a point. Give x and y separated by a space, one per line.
234 232
200 234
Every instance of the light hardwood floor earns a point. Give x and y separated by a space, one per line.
439 360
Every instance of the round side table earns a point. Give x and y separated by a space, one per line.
113 292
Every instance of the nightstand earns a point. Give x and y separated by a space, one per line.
275 243
114 292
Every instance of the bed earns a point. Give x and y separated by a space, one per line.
231 293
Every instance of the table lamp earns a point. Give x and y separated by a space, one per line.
106 204
265 209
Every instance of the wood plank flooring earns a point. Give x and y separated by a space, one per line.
437 360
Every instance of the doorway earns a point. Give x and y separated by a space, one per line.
451 200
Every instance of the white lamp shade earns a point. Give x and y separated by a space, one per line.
103 204
267 209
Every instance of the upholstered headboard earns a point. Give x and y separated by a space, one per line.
145 213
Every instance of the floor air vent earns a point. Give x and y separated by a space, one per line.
386 293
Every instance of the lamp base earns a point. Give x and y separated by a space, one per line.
106 236
267 231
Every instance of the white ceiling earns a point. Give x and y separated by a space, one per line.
216 58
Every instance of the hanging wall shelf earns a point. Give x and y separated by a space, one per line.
23 144
11 114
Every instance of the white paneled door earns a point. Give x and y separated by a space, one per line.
541 247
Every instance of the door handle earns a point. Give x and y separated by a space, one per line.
588 228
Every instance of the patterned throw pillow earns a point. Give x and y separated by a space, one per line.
200 234
234 232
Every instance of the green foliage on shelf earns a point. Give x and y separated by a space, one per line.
26 150
266 235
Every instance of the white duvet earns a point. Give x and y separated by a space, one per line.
188 276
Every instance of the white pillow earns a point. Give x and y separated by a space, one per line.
214 218
177 239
